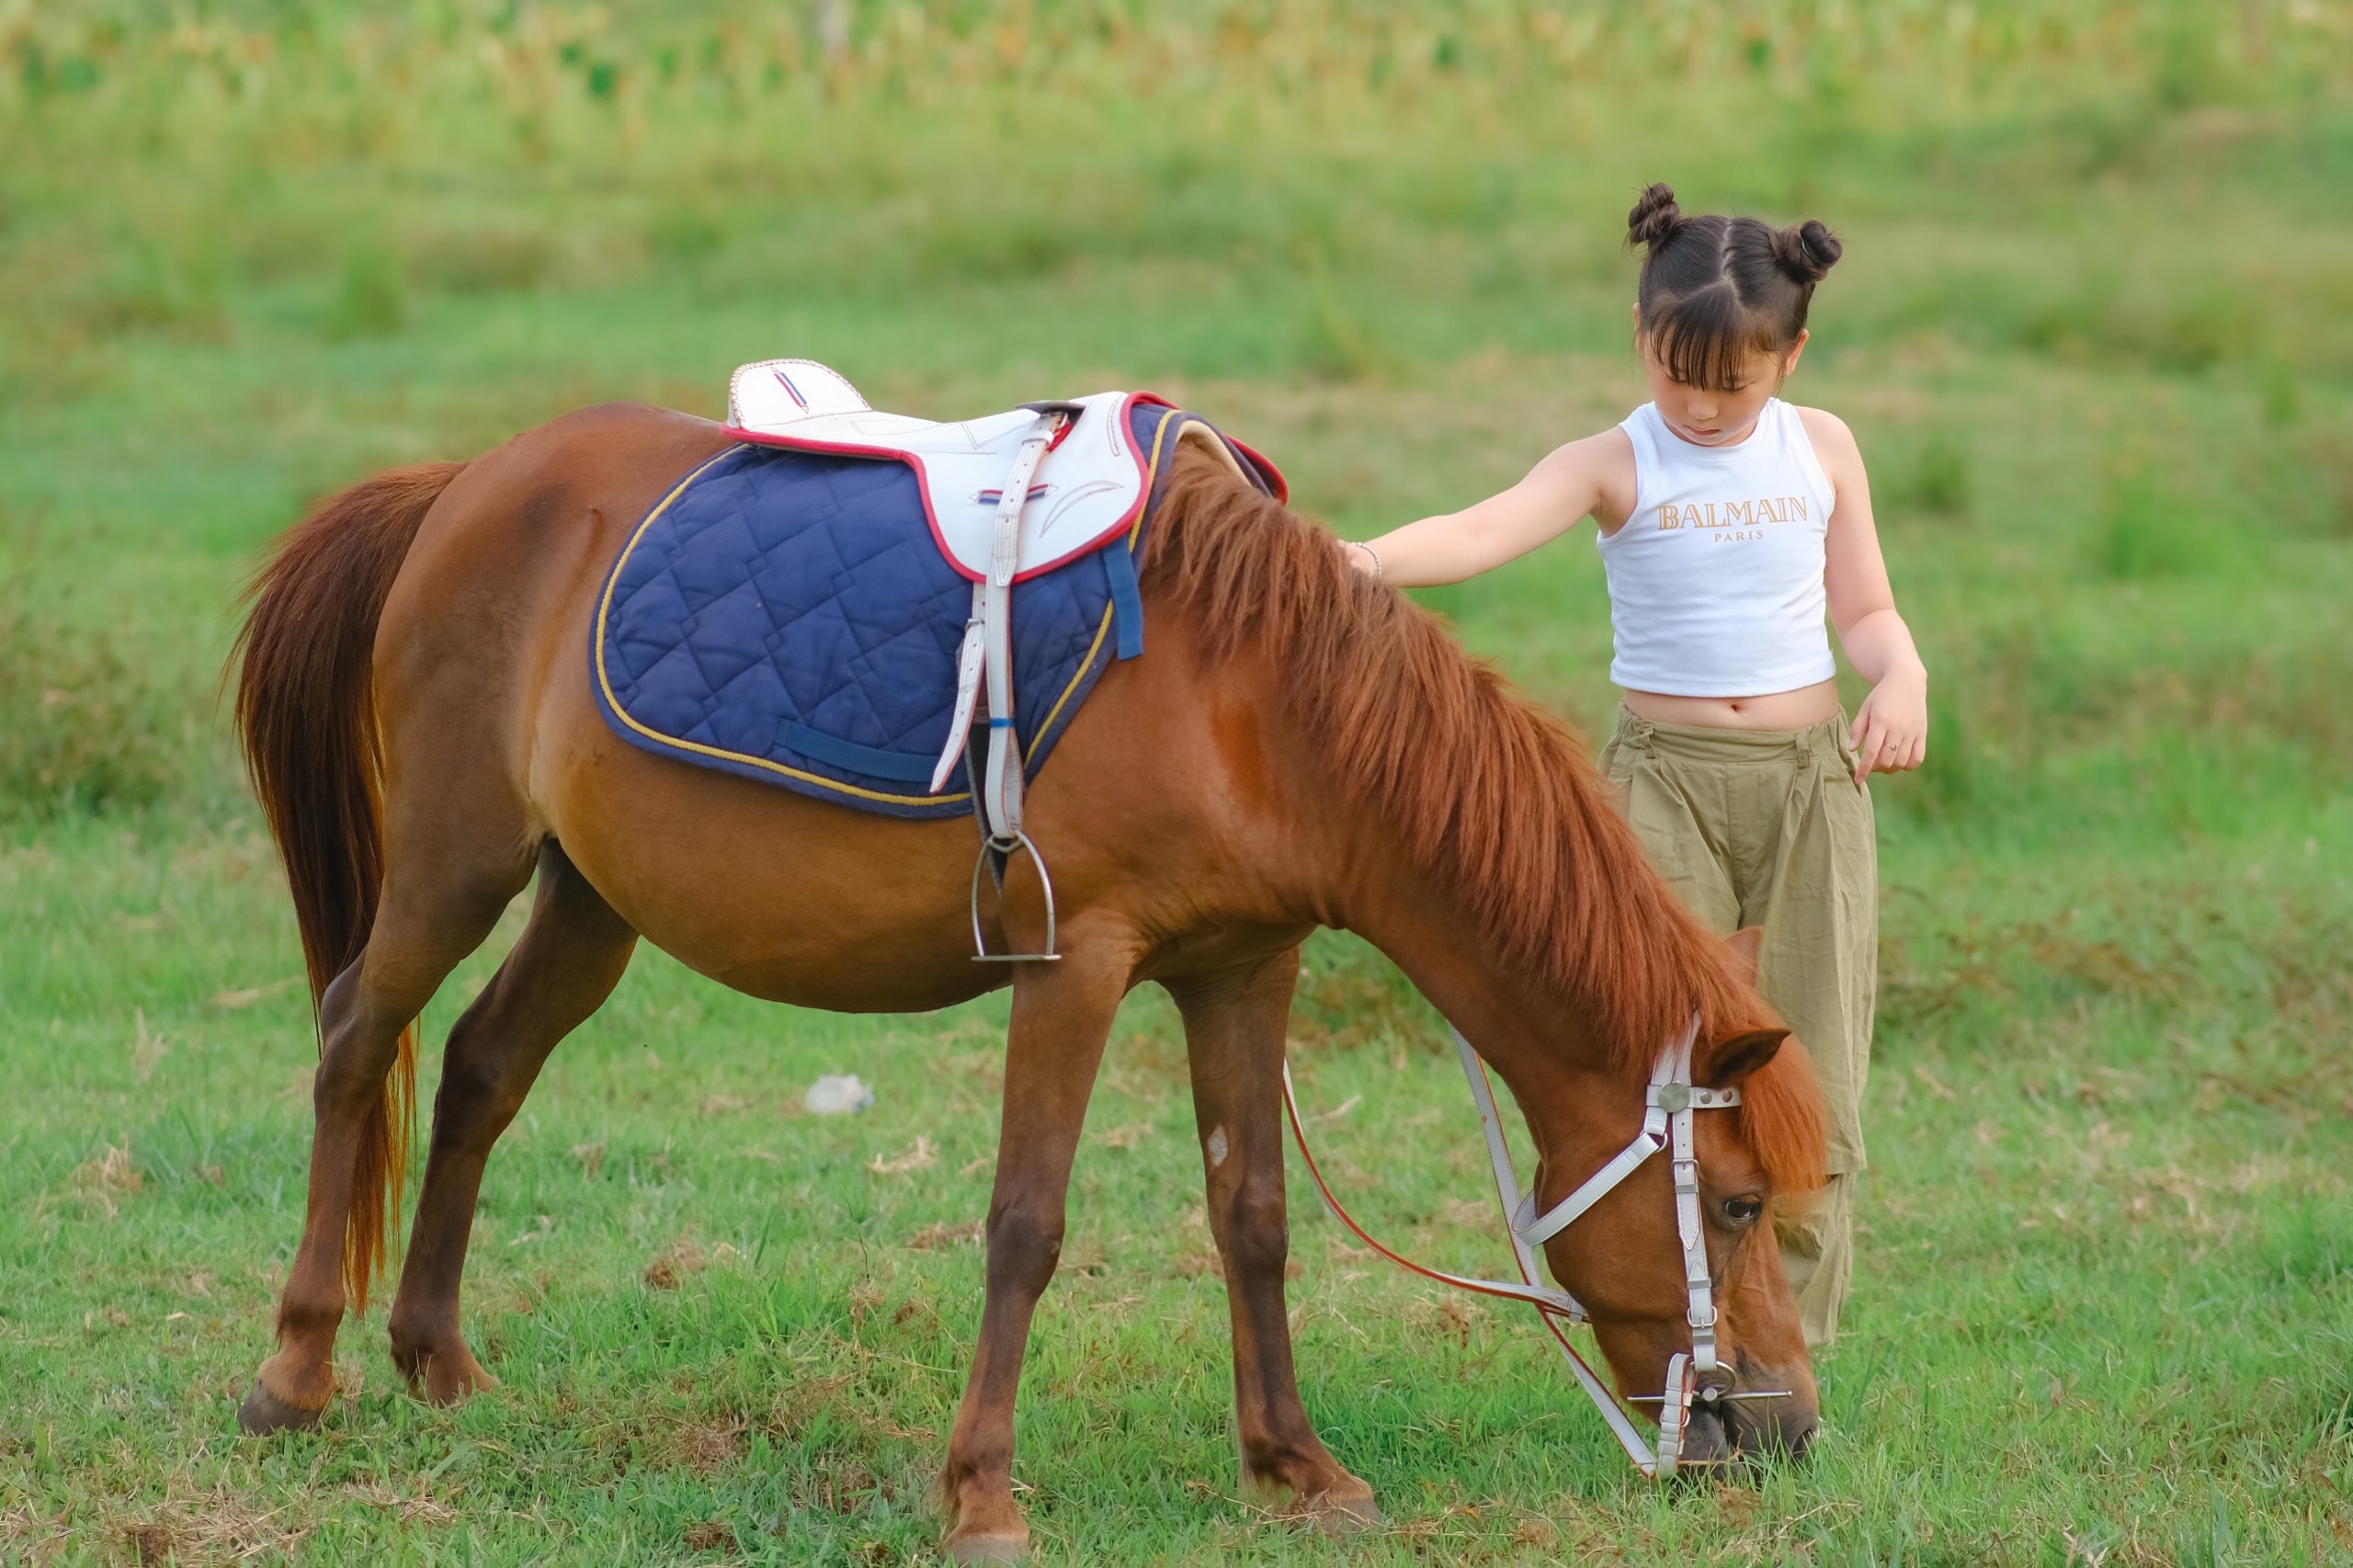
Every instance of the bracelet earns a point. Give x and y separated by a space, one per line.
1379 570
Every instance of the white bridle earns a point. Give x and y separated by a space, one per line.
1667 1125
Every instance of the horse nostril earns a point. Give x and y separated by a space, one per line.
1775 1429
1707 1446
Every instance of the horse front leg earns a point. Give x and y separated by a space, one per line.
1062 1016
1234 1025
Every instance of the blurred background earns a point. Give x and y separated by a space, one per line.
2095 325
2094 329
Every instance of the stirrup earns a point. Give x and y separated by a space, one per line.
1005 844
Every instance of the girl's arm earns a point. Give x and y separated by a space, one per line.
1890 729
1557 495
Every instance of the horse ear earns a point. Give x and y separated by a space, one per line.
1743 1054
1746 944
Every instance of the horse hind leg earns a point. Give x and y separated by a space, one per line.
426 923
1234 1025
570 957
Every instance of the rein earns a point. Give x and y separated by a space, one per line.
1669 1103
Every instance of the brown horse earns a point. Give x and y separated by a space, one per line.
1300 748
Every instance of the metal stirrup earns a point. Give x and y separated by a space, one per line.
981 953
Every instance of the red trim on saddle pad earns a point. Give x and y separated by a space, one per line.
923 482
1265 466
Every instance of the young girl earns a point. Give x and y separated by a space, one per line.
1727 520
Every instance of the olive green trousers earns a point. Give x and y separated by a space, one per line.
1767 827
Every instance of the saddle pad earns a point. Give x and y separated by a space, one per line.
786 615
1090 487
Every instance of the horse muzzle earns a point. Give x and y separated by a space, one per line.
1767 1429
1742 1426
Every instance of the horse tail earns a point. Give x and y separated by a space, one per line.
306 720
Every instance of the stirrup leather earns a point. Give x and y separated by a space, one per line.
987 655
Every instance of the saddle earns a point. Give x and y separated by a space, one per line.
1092 490
825 605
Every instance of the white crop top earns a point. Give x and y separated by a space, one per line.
1715 581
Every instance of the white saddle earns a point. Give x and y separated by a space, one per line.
1091 486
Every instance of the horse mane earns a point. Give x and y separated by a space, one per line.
1486 791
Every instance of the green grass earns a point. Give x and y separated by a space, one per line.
2093 331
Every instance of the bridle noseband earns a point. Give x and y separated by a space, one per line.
1669 1103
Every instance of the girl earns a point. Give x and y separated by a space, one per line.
1727 520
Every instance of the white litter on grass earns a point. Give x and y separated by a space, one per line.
838 1094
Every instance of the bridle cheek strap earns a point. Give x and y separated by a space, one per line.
1667 1125
1668 1104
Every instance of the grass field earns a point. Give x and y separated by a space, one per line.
2094 329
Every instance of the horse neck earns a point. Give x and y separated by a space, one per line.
1531 1029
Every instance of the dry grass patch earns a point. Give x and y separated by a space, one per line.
684 1256
943 1233
1449 1317
709 1535
101 1180
217 1528
921 1154
709 1443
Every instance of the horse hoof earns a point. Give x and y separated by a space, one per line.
1343 1510
264 1413
988 1548
443 1379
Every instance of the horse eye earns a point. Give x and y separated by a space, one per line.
1744 1211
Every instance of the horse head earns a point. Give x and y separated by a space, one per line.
1729 1323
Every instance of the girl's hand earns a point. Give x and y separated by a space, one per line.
1891 729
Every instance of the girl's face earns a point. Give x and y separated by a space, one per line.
1706 417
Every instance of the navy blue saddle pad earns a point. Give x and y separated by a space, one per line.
788 616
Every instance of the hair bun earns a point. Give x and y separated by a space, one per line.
1654 218
1807 251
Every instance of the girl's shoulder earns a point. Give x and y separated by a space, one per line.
1603 451
1829 434
1594 475
1835 451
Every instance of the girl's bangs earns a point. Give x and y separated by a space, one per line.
1707 339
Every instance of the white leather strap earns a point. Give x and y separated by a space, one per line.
1673 1414
968 690
987 651
1670 1081
1596 1186
1613 1414
1001 789
1514 1201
